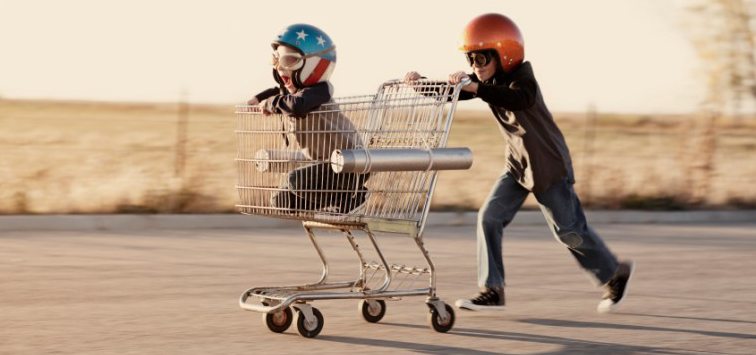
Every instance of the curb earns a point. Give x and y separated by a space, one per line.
231 221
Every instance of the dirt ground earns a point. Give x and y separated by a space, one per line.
89 157
176 292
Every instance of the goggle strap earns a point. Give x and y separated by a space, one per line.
320 52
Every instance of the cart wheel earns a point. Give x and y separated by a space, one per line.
437 324
373 311
279 321
310 329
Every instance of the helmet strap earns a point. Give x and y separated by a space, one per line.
278 78
296 74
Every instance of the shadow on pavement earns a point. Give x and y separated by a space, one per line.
403 345
569 345
576 324
689 318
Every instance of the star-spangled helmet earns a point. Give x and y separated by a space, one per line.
317 49
495 32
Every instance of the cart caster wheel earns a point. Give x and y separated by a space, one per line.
279 321
310 329
437 324
373 310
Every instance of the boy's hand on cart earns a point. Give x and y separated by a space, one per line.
412 76
460 77
263 106
253 101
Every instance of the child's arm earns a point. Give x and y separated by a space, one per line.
413 76
518 95
263 95
300 103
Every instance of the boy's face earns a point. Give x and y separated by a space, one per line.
283 61
483 64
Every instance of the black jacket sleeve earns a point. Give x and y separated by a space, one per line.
466 95
519 94
300 103
267 93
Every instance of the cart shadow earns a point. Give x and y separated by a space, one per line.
578 324
568 345
687 318
403 345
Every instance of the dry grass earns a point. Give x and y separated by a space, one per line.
79 157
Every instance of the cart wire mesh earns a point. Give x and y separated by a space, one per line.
284 161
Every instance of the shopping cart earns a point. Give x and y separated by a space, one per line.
362 163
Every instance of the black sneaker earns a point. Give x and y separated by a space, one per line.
616 288
487 299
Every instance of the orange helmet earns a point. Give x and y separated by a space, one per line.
496 32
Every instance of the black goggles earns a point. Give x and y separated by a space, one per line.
479 59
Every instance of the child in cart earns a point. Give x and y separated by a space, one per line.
537 161
303 59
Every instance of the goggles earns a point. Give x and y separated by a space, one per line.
288 61
479 59
291 60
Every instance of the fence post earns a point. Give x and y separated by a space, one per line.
181 138
707 160
589 137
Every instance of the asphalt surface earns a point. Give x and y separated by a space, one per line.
176 292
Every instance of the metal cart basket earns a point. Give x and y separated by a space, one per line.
362 163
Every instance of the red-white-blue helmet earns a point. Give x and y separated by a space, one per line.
317 50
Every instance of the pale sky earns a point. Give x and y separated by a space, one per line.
619 55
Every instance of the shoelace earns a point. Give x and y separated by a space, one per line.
485 297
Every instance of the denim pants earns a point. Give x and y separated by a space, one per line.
565 217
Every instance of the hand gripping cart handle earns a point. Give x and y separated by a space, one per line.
362 163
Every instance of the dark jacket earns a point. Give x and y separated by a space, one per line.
319 131
516 101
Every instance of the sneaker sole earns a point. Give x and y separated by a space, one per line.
469 306
607 306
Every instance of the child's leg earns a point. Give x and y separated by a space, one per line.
286 200
318 186
355 191
294 194
505 199
345 191
503 202
563 212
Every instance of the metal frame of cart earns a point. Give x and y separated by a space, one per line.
362 163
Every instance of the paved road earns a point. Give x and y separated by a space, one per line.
176 291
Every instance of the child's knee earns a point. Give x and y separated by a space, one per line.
570 238
282 199
492 217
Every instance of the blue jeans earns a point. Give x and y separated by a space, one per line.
564 214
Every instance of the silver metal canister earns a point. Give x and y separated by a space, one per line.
400 159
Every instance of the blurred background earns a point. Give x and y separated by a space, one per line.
128 107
